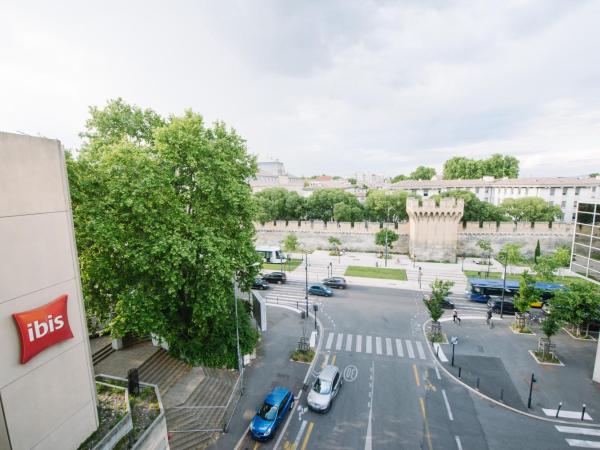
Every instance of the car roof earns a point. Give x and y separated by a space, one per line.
276 395
276 273
328 373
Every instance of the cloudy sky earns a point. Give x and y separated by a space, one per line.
334 86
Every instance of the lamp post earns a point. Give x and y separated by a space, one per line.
240 363
503 285
533 380
306 280
419 277
454 341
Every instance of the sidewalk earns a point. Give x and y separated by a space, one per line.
271 368
501 361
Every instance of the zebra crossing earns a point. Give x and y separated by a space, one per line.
375 345
583 440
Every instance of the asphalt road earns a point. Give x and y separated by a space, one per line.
393 397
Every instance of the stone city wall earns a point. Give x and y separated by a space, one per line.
361 237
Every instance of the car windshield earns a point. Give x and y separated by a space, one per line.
322 386
267 412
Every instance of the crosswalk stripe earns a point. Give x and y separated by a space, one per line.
388 347
348 342
378 345
409 349
329 341
358 343
420 350
369 344
578 430
338 344
582 443
399 348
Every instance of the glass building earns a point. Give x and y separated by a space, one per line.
586 241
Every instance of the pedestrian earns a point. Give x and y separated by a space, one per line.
455 317
489 315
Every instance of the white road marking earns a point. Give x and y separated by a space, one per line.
450 416
409 349
326 360
578 430
567 414
389 349
348 342
369 349
368 440
437 349
582 443
378 345
420 350
329 341
399 348
437 373
300 433
338 344
358 343
458 444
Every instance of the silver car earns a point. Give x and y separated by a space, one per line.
325 389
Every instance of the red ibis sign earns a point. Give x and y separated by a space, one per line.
43 327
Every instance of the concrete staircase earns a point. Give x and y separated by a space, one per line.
162 370
204 409
102 354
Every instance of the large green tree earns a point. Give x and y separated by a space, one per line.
384 206
530 209
498 166
321 204
279 204
578 305
163 220
475 209
422 173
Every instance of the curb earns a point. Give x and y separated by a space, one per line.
496 402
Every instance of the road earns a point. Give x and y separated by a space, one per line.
393 397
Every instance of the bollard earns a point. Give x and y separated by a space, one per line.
558 410
502 395
583 412
437 352
477 383
459 371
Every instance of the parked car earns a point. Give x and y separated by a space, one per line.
508 308
275 277
260 283
446 304
325 388
271 413
320 289
335 282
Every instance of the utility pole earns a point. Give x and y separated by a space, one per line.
240 363
306 284
503 285
386 247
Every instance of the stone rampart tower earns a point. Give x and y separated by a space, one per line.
434 228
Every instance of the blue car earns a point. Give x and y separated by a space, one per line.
271 413
320 289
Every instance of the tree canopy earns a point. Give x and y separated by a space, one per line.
386 206
476 210
498 166
321 205
163 222
279 204
530 209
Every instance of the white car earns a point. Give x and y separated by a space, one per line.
325 389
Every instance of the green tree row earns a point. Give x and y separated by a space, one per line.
383 206
163 221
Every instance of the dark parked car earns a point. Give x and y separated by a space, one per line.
446 304
271 413
260 283
320 289
335 282
509 307
275 277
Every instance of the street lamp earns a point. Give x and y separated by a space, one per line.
503 285
419 277
306 283
240 363
454 341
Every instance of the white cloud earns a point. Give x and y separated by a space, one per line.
337 87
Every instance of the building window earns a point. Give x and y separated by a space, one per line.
563 204
425 192
577 191
477 190
552 191
575 204
564 191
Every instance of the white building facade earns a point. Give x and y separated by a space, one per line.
563 192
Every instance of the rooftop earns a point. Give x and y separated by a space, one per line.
527 182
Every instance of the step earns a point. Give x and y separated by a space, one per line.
102 354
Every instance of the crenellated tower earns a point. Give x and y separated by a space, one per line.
434 228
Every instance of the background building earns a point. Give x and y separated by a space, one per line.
586 241
48 402
563 192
